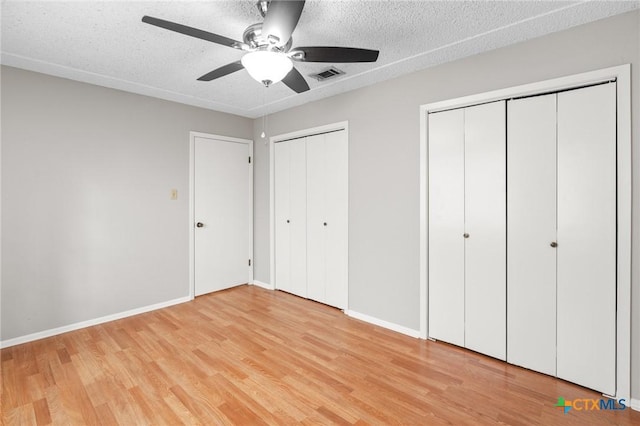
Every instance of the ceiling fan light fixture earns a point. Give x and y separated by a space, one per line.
268 45
267 67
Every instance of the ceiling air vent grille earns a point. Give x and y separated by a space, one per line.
332 72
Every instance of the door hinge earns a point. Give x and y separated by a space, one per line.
249 160
249 262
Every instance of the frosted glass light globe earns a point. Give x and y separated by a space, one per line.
267 67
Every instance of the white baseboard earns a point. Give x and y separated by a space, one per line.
382 323
89 323
635 404
263 285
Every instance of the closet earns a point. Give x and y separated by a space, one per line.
311 216
561 268
522 232
467 241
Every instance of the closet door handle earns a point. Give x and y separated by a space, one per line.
199 224
287 220
553 244
325 223
465 235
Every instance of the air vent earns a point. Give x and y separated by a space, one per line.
332 72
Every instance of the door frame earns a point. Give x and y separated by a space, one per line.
298 134
622 75
192 219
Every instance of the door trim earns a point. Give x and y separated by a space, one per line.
191 224
341 125
622 74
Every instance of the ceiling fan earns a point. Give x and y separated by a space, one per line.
268 45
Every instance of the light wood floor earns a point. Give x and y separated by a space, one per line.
252 356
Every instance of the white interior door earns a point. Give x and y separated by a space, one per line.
316 217
531 228
282 194
336 179
222 206
446 226
587 237
485 224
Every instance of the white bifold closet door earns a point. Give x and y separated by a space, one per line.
290 217
587 237
467 241
282 216
562 235
327 218
485 212
531 228
446 226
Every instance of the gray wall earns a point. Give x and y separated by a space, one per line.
384 163
88 227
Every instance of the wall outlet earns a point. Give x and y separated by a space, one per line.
174 194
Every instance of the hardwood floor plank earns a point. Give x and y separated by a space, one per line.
10 384
251 356
182 412
73 394
276 396
41 411
239 407
154 407
200 407
333 417
25 361
106 415
35 387
20 415
57 411
64 356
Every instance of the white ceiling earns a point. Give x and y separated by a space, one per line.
105 42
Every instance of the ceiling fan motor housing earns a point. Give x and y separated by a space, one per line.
253 37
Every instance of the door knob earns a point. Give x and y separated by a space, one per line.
199 224
325 223
465 235
287 220
553 244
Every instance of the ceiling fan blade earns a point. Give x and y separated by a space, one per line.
295 81
194 32
281 19
334 54
222 71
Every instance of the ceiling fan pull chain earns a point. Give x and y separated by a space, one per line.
264 114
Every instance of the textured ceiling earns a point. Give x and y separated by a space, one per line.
105 43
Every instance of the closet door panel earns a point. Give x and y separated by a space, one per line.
316 205
587 237
446 226
485 222
298 217
282 152
336 216
531 227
